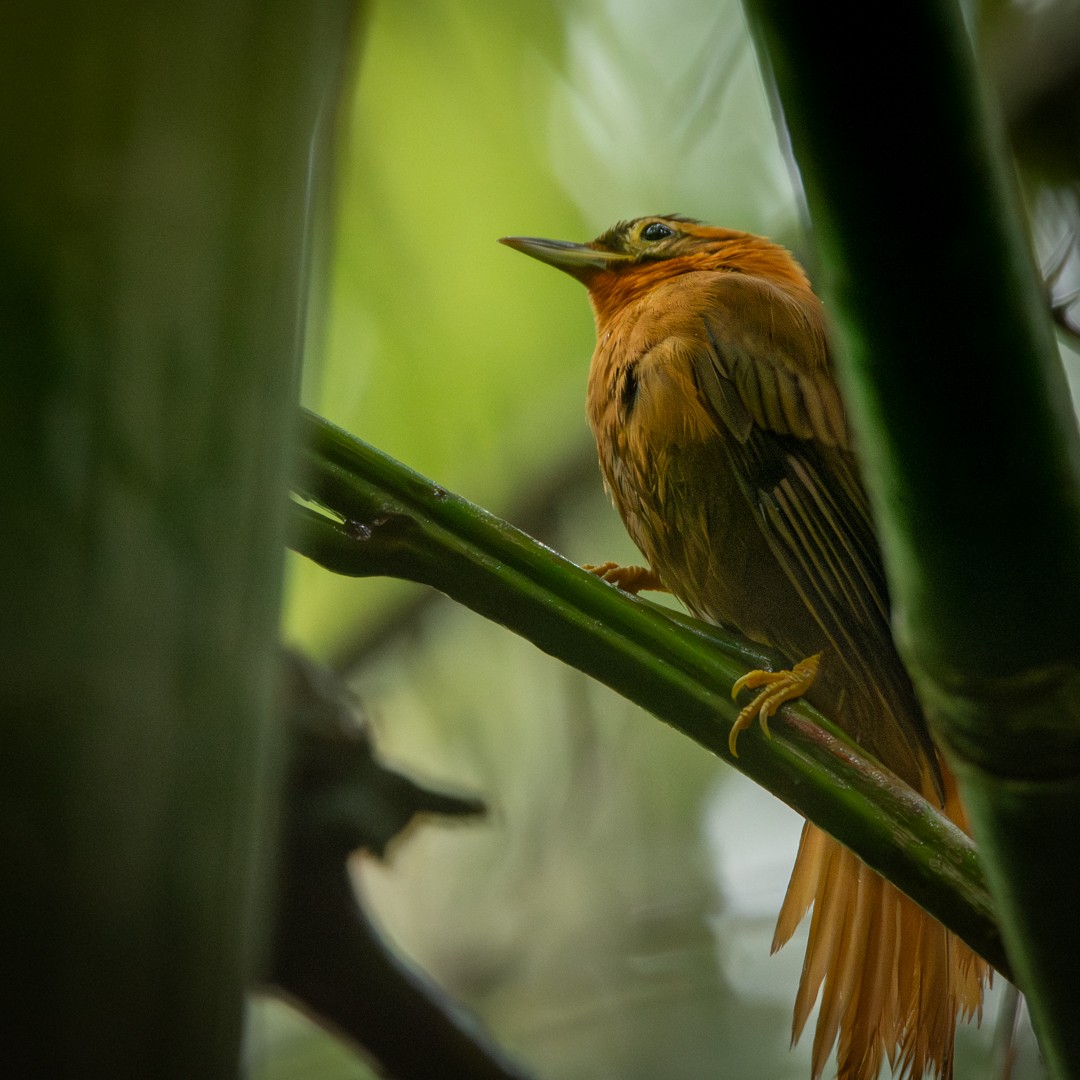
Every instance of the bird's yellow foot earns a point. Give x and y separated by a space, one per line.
631 579
780 687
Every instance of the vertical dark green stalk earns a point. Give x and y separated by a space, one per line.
152 228
965 426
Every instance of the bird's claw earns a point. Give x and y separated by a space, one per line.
780 687
631 579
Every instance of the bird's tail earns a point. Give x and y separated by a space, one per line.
894 978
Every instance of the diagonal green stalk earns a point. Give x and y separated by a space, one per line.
965 424
385 519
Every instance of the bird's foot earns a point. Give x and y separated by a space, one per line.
631 579
779 687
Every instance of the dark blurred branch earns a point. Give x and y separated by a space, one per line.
379 518
326 954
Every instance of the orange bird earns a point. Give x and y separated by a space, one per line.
725 447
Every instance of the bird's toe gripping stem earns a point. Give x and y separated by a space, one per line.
631 579
779 688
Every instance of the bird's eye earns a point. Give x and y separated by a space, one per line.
656 230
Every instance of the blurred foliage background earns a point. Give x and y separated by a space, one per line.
611 917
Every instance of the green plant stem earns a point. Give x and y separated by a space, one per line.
967 434
153 186
390 521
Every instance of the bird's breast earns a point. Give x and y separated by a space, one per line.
667 466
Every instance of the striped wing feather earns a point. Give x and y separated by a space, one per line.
771 390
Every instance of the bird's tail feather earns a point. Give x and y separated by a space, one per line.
892 979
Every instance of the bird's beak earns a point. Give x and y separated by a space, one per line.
578 260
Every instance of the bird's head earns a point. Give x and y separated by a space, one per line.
633 257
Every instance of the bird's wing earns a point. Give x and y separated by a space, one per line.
762 368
